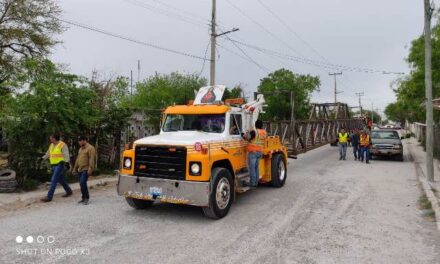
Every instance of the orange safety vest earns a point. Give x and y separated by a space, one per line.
56 153
257 144
365 140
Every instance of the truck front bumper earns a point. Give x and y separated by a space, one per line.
164 190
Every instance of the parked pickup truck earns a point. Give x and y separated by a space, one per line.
386 142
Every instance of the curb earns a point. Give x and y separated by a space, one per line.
427 189
31 198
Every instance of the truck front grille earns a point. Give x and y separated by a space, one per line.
160 162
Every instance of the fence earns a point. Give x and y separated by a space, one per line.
309 134
419 131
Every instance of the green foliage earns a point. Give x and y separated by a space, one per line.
46 100
410 90
236 92
49 101
27 28
161 90
276 88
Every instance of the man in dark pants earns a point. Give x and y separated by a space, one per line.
58 155
355 140
84 165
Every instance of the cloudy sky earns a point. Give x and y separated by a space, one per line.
374 34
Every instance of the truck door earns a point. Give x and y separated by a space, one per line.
239 145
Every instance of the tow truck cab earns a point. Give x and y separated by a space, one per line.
199 158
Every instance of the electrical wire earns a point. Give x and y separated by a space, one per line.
190 14
262 27
246 58
143 43
167 13
204 61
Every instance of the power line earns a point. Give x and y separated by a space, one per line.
291 30
115 35
309 61
170 14
246 58
204 61
190 14
261 26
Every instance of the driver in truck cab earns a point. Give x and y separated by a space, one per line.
256 140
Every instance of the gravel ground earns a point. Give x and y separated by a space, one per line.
329 211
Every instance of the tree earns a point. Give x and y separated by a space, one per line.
410 90
161 90
49 101
276 88
236 92
27 29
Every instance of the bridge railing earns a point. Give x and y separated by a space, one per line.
304 135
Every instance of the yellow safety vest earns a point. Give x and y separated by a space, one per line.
257 144
365 140
343 138
56 153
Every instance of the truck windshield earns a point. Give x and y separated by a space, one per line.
211 123
385 135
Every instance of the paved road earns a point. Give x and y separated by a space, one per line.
330 211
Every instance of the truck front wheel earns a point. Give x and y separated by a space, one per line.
222 194
278 171
139 204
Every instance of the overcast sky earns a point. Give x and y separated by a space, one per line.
374 34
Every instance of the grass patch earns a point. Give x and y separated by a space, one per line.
424 203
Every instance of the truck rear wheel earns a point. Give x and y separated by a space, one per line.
278 171
139 204
222 194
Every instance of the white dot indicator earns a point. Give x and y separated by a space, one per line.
19 239
30 239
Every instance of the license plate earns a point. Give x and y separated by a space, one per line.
155 191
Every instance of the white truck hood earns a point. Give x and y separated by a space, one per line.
180 138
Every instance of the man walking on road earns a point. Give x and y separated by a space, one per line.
343 138
355 144
365 146
84 165
58 155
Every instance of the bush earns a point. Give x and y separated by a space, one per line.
30 184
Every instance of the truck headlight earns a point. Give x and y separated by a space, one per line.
127 163
397 146
195 168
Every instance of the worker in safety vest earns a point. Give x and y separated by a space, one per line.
343 143
255 147
58 155
365 146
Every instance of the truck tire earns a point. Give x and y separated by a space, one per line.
139 204
222 194
278 171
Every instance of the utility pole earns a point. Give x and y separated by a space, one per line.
139 71
336 90
214 36
131 84
428 92
292 105
372 113
213 42
360 103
